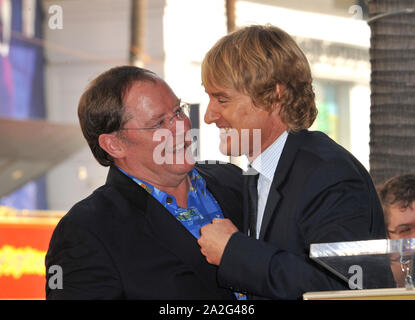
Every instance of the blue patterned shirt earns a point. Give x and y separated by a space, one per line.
201 209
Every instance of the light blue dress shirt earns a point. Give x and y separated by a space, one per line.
266 164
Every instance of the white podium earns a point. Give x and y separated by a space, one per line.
374 269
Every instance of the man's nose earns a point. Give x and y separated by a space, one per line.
180 127
211 115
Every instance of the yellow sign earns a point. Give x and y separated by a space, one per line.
19 261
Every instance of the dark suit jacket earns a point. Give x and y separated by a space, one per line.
121 243
320 193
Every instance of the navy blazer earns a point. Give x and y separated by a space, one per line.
121 243
320 193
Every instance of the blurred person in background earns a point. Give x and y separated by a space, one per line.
308 188
397 196
136 236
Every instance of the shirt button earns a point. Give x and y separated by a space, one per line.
169 200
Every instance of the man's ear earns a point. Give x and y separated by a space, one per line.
279 89
112 145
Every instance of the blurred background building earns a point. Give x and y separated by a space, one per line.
51 49
50 61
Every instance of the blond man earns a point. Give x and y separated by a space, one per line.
309 189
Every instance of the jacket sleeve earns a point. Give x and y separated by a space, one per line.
335 205
87 270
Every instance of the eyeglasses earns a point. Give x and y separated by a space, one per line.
181 113
404 230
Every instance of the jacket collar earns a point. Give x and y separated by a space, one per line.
291 147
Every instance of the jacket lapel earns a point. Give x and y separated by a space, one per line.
273 199
225 198
178 240
288 154
168 231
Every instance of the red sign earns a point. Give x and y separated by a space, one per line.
23 245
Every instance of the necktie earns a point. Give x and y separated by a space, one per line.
253 203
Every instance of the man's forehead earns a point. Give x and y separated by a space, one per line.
148 104
216 90
403 205
149 94
141 89
228 93
399 215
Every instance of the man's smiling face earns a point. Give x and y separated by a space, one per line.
236 116
154 105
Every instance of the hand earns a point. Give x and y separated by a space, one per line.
214 238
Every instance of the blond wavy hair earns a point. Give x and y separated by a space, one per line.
253 60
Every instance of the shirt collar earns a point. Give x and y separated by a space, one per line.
266 163
197 183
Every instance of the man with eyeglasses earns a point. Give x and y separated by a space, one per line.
136 236
397 196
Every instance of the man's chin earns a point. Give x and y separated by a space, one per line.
183 161
183 168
